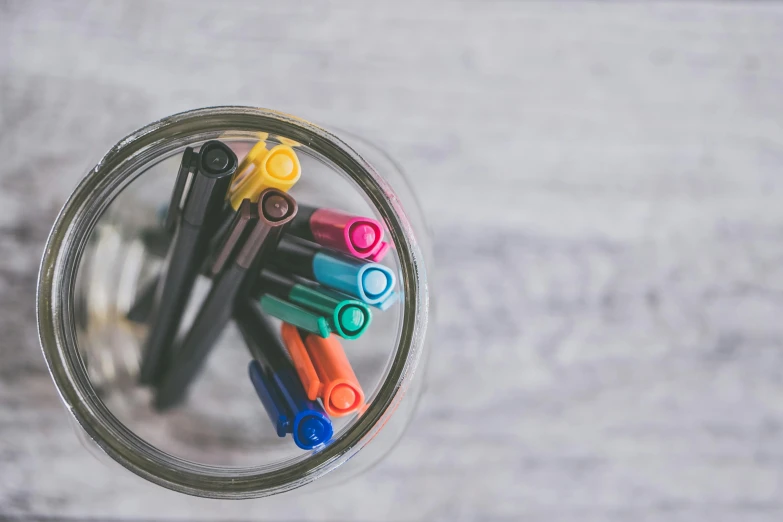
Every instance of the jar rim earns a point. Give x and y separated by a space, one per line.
55 304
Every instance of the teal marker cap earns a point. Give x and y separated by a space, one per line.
349 318
295 315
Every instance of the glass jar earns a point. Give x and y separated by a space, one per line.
103 249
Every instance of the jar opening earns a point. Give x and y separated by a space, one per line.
80 227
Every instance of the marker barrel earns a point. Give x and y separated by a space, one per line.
188 358
372 283
300 226
347 317
196 221
258 226
289 312
324 371
295 256
277 384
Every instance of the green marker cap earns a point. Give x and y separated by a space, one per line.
348 317
295 315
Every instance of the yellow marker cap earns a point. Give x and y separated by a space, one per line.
248 164
289 142
277 168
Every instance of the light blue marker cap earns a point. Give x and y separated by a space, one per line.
388 302
371 282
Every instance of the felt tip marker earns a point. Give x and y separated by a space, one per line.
277 167
348 318
193 214
286 311
324 371
372 283
277 384
354 235
246 248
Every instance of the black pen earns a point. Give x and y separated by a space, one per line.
254 234
194 211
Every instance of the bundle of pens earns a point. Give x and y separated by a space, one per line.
315 269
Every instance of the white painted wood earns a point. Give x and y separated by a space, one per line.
633 367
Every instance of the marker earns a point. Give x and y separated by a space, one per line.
247 165
194 212
256 230
324 371
354 235
277 385
277 168
285 311
372 283
315 309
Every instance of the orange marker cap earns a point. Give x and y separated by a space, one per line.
323 366
299 356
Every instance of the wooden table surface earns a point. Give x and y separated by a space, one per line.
610 335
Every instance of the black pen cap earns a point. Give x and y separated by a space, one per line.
300 226
262 341
214 170
275 283
295 255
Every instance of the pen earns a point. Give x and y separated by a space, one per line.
277 385
355 235
372 283
255 231
324 371
196 204
314 308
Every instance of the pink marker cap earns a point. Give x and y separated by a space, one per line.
358 236
362 236
380 253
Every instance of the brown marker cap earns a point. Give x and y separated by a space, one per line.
275 209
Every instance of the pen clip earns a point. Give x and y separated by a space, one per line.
271 397
181 188
246 213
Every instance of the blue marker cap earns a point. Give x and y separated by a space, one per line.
371 282
311 429
288 407
386 303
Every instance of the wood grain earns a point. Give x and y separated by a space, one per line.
610 343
